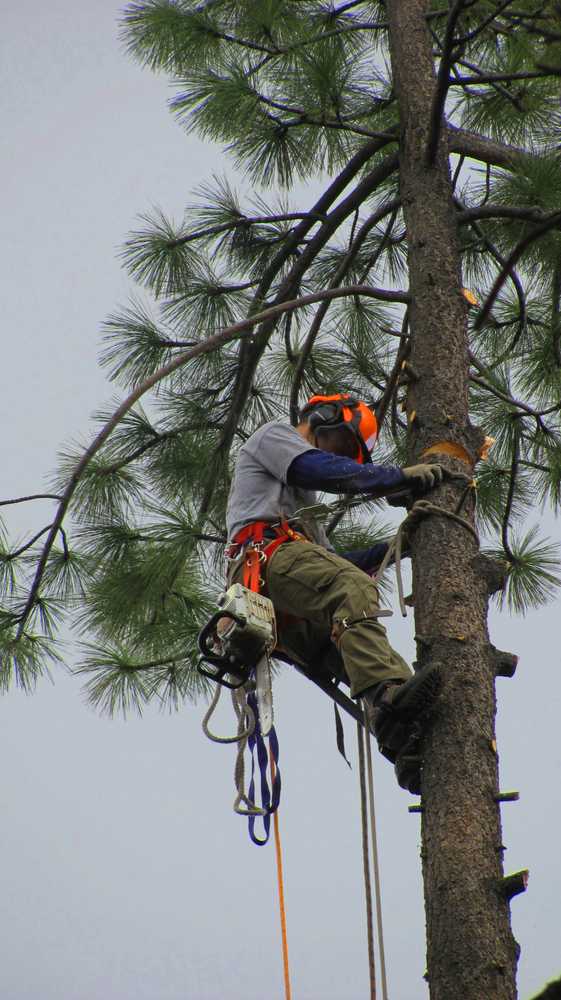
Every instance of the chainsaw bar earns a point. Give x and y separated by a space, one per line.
264 693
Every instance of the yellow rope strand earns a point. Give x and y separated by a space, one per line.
280 881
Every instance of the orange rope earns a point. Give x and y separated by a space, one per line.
282 911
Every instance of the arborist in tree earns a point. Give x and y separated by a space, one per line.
318 595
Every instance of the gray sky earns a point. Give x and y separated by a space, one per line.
124 873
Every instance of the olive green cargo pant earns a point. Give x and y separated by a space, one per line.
329 597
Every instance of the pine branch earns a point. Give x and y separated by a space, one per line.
344 209
482 78
390 390
521 409
472 35
556 313
34 496
517 286
321 312
479 147
27 545
348 6
518 404
333 33
250 355
551 36
443 79
318 211
283 50
244 221
457 172
551 223
504 91
525 213
234 332
509 499
383 244
108 470
65 549
303 118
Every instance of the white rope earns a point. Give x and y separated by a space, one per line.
375 858
420 509
240 704
246 727
366 861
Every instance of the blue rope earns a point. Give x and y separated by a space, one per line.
270 797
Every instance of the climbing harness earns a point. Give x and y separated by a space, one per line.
257 542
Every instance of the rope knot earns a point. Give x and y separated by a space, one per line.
419 510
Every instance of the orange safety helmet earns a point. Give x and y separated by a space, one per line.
342 410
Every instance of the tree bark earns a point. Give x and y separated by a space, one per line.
471 953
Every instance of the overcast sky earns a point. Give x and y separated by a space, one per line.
124 873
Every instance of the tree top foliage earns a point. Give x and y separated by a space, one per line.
297 91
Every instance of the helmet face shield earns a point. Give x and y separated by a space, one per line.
342 410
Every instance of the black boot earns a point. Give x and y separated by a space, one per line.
409 763
393 707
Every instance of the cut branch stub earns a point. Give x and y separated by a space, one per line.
505 663
507 797
493 571
513 885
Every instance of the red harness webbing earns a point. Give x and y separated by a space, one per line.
257 553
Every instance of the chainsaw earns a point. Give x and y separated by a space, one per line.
236 646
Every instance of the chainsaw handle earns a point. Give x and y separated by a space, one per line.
205 634
219 674
224 665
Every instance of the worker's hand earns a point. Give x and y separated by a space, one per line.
423 478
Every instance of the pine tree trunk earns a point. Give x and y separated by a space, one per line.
471 953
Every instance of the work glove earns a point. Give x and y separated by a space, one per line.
422 478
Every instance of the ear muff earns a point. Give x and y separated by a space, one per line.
323 412
325 415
